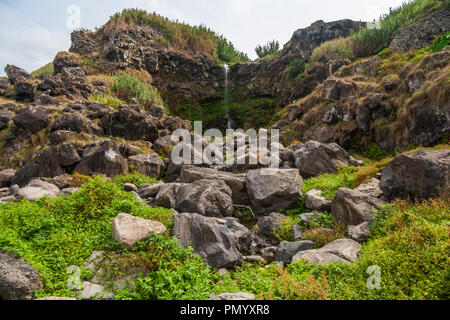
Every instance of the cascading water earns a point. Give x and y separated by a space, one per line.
226 72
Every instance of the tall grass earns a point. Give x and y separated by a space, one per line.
127 87
182 36
376 37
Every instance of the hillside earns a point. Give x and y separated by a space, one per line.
352 204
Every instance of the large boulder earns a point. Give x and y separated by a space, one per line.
287 250
211 198
128 229
242 236
360 232
315 158
103 159
68 155
371 188
272 189
148 164
351 207
18 279
25 91
236 182
16 74
209 239
37 189
167 195
419 175
341 250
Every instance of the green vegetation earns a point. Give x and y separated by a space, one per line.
127 87
182 36
374 38
108 100
329 184
272 48
296 70
46 70
408 242
135 178
440 43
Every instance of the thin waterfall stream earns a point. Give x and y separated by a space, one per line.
230 123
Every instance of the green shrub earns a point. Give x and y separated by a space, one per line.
270 49
441 43
329 184
296 70
135 178
127 87
46 70
54 234
226 52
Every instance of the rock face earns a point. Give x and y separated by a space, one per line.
211 198
272 189
103 159
37 189
422 33
419 175
128 229
352 207
341 250
148 164
236 182
209 239
18 279
287 250
315 158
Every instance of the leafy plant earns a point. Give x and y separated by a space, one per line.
329 184
270 49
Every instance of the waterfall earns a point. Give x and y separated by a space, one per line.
226 72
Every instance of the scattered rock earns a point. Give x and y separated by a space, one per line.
128 229
129 187
68 155
341 250
16 74
267 226
92 290
372 188
63 181
150 191
18 279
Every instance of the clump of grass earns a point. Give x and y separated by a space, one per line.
107 100
296 70
46 70
127 87
341 48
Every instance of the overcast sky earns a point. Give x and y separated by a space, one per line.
32 32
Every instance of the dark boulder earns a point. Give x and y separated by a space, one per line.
16 74
103 159
75 122
31 119
419 175
68 155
